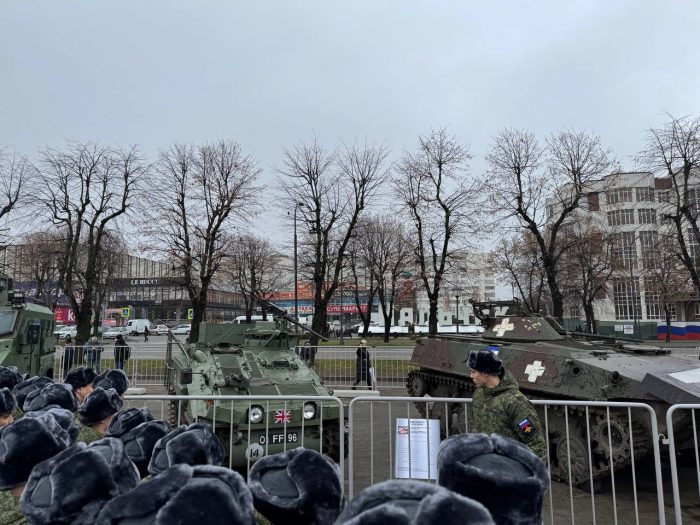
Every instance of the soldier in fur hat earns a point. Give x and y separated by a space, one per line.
499 407
115 379
96 413
405 502
502 474
74 485
195 445
184 494
127 420
58 394
23 389
81 379
23 445
7 406
9 377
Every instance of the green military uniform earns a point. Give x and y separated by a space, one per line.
87 434
505 410
9 509
17 413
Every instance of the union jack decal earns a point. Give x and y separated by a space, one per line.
283 416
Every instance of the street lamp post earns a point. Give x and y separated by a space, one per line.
296 276
457 306
342 339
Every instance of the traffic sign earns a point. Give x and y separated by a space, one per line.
190 313
126 312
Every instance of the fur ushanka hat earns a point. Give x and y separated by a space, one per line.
115 379
23 389
297 486
503 474
486 362
65 418
77 483
407 502
127 420
99 405
26 443
185 495
52 394
7 401
195 445
80 377
139 443
10 376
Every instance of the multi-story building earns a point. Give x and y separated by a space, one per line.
632 208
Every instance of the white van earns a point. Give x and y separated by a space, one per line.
137 326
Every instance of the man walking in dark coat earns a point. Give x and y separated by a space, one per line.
362 364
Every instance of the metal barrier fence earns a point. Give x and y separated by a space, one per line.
335 365
284 423
675 413
145 366
598 483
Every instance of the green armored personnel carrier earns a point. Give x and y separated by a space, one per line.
26 332
255 359
550 363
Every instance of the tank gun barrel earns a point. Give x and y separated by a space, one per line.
280 312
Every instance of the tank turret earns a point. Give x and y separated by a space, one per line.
551 363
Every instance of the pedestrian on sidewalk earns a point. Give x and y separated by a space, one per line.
362 364
146 333
68 355
93 354
122 352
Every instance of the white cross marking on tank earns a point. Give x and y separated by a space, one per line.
534 371
504 327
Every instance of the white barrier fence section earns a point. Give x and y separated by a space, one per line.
336 365
283 425
145 366
677 444
597 483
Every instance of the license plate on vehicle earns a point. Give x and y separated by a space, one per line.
279 438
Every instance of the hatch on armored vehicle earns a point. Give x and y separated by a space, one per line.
255 359
550 363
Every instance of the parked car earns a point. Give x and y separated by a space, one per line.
113 332
66 331
160 329
182 329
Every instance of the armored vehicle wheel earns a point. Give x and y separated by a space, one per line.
416 386
573 457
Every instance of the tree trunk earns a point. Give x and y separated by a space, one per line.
591 327
668 324
199 307
318 323
433 316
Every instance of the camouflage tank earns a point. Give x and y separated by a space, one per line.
550 363
26 332
256 359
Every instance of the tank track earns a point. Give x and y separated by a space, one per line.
424 382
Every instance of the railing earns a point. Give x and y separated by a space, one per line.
374 454
684 416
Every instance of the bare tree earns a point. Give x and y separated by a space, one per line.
519 263
541 196
254 268
433 187
110 256
588 267
86 188
389 252
197 192
335 190
359 260
16 172
38 264
673 151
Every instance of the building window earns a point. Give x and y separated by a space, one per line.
663 196
593 201
624 250
645 194
620 217
693 248
647 216
649 241
697 310
618 195
624 298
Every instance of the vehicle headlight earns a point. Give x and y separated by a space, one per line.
255 414
309 410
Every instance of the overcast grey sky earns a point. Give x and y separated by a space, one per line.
266 73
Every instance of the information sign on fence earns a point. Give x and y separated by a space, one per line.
417 443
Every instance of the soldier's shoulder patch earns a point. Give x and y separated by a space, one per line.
527 428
